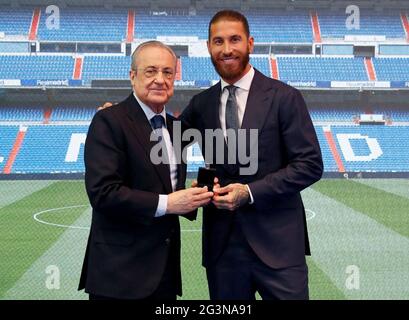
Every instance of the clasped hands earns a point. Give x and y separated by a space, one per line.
229 197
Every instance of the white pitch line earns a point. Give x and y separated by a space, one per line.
313 214
36 215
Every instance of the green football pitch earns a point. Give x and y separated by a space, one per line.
358 231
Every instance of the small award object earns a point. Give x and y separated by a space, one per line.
205 177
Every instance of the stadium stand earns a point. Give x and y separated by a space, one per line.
267 26
47 149
111 67
101 24
47 67
394 114
374 148
22 113
59 148
201 68
321 69
36 67
392 69
280 26
15 21
60 67
7 137
333 24
327 157
86 24
329 115
197 68
45 146
150 24
72 114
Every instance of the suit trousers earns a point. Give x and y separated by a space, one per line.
239 273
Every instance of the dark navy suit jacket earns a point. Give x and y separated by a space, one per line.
289 160
128 247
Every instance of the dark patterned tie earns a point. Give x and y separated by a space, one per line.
232 119
232 122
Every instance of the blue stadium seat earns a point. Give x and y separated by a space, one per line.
333 115
73 113
36 67
8 135
333 24
391 139
327 158
321 69
15 21
86 24
45 148
201 68
266 26
198 68
21 114
280 26
391 69
106 67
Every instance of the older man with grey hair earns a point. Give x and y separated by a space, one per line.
133 249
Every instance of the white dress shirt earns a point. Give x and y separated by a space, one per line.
163 198
242 94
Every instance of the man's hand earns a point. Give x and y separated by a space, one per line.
105 105
230 197
184 201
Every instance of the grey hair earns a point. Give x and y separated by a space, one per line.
149 44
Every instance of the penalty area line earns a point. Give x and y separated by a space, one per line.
37 218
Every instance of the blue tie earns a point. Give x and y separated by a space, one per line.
157 122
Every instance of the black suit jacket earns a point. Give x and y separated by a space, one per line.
289 160
128 247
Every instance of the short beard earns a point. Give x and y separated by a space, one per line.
232 75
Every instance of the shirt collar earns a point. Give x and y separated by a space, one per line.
244 83
148 111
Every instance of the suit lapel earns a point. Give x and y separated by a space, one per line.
139 124
213 104
258 102
258 105
169 125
